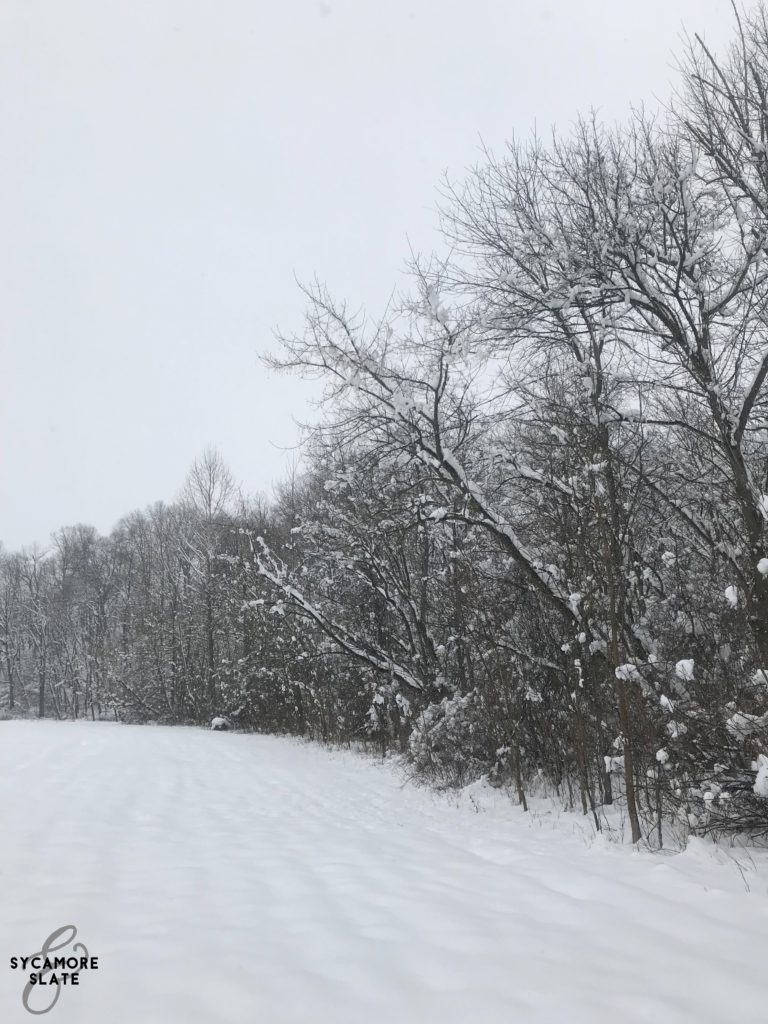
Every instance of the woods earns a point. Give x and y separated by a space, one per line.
528 536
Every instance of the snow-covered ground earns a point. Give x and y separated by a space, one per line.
228 878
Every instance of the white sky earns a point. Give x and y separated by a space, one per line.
170 166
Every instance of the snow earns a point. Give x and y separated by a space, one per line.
684 669
628 673
761 781
224 878
676 729
614 764
742 725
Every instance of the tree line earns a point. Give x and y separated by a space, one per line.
528 539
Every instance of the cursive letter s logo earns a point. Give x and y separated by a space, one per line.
67 934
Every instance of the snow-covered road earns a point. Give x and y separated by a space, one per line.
227 878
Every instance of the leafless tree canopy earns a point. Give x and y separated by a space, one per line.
528 539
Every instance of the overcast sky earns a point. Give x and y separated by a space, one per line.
171 166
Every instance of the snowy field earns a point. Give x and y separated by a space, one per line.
226 878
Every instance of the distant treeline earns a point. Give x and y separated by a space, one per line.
529 536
